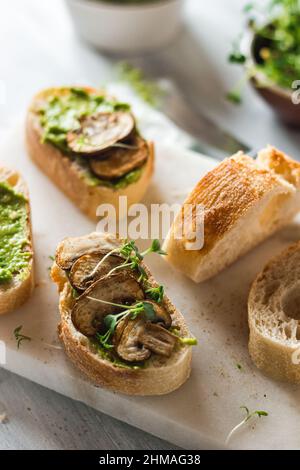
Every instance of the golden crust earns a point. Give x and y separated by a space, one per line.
12 297
68 176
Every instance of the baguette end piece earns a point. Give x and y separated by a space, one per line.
274 317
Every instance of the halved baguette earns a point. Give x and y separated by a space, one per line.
68 176
274 317
15 293
244 201
161 375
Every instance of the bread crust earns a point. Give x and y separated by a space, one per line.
274 336
281 164
18 292
161 376
228 194
67 176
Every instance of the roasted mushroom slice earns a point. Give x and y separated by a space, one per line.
120 288
70 249
88 268
158 339
129 346
162 315
120 161
100 131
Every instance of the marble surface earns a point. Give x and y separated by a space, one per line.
201 413
38 49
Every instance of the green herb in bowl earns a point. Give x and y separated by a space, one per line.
273 61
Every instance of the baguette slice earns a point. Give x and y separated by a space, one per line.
67 175
17 292
244 201
160 376
274 317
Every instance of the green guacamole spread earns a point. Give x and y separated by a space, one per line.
109 356
61 113
13 234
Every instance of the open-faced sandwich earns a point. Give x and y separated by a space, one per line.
117 325
89 145
16 255
244 201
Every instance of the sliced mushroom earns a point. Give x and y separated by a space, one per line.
88 313
162 315
129 346
119 330
70 249
120 161
157 339
100 131
87 270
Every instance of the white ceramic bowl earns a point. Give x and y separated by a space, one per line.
126 28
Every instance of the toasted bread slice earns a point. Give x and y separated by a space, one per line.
16 292
244 202
159 375
69 176
274 317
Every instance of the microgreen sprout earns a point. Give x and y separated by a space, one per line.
154 248
132 258
188 341
276 45
19 336
184 341
249 415
111 321
156 293
148 90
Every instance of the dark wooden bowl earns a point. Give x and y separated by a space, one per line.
280 99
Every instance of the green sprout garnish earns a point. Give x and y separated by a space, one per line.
148 90
156 293
236 56
19 336
133 258
154 248
111 321
234 96
184 341
249 415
